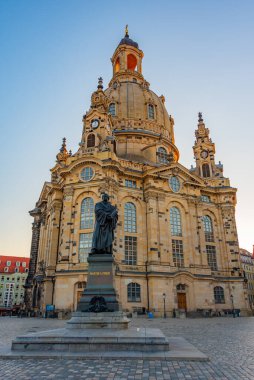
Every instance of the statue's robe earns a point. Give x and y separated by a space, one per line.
105 224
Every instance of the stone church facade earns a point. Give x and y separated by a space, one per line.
176 239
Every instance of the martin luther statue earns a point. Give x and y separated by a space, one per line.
105 223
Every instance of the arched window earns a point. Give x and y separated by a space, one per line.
117 65
206 170
87 213
162 155
90 140
175 222
112 109
133 292
219 294
131 62
208 228
150 111
130 218
181 287
81 285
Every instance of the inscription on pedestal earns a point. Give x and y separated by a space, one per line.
99 295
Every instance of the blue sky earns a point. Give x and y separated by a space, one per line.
198 54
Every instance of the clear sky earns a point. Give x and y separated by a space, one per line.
198 54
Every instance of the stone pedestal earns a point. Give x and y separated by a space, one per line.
99 294
106 320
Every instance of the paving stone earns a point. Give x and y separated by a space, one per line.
228 342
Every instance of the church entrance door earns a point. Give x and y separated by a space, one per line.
181 299
79 294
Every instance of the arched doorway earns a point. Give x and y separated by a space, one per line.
181 297
79 287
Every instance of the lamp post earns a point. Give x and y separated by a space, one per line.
164 304
233 306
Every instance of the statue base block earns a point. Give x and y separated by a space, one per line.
106 320
99 294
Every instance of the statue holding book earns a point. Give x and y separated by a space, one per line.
105 223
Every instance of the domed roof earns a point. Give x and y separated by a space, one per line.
132 100
128 41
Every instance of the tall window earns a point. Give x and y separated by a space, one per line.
130 219
87 213
175 222
130 249
208 228
112 109
90 140
211 257
206 170
150 111
177 249
219 294
162 155
85 245
133 292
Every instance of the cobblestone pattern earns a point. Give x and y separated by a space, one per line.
228 342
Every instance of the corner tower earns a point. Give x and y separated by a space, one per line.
204 152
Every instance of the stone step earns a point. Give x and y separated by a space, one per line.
90 340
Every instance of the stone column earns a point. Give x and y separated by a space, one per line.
36 214
152 221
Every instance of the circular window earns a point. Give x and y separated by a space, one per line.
174 184
87 174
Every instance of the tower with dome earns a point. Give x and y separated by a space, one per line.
176 239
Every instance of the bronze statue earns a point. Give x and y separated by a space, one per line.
105 223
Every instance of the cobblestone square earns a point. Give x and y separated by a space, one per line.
228 342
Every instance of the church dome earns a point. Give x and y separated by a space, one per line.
135 102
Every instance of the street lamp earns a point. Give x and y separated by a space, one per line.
233 306
164 304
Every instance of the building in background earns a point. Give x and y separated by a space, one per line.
13 274
247 265
176 239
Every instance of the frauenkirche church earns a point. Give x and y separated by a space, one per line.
176 238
